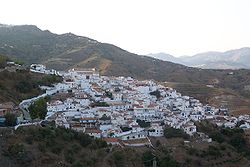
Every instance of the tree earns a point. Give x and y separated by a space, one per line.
158 143
38 109
109 95
105 117
10 119
24 86
119 158
147 158
156 93
100 104
167 161
170 132
143 123
3 60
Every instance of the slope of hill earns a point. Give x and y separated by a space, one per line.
32 45
29 44
52 147
19 85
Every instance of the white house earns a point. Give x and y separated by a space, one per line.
189 128
156 130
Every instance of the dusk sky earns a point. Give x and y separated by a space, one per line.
177 27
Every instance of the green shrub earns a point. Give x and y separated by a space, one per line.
69 156
156 93
38 109
143 123
78 164
172 133
119 158
168 162
147 158
57 149
10 119
213 151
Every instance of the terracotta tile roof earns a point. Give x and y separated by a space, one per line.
88 118
111 140
92 130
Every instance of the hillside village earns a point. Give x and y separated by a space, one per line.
122 110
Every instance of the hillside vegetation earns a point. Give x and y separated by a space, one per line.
22 84
51 147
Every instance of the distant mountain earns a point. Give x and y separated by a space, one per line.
166 57
233 59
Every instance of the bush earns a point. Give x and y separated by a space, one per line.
239 142
78 164
57 149
158 143
172 133
29 140
192 151
143 123
217 136
119 158
38 109
16 149
3 61
156 93
69 156
48 80
125 128
10 119
24 86
76 148
213 151
147 158
41 147
100 104
168 161
18 152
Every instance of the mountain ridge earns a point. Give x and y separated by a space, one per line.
232 59
62 52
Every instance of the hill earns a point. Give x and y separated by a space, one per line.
50 146
32 45
17 85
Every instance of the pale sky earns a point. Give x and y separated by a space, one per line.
177 27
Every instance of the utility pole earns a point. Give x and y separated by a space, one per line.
154 162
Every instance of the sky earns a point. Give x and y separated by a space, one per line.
177 27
